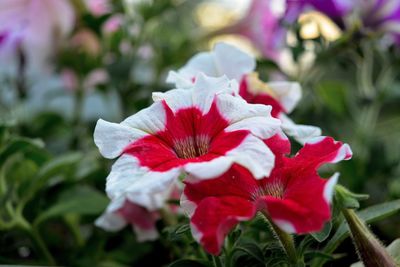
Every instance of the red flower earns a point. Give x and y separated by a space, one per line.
294 197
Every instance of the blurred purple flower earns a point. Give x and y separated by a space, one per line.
378 16
382 15
334 9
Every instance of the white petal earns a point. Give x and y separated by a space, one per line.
329 189
262 127
149 120
253 117
254 155
202 62
188 206
112 138
288 93
200 95
223 60
176 99
139 184
285 226
145 234
232 61
153 189
180 81
110 222
301 133
210 169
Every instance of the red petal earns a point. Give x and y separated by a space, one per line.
214 218
237 181
321 150
303 205
279 145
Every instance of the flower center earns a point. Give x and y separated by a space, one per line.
192 147
273 189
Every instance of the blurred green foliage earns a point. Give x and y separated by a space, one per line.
52 176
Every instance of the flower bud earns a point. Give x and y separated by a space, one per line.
369 249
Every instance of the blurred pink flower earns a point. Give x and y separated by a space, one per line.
96 77
69 79
113 24
98 7
87 41
35 27
262 26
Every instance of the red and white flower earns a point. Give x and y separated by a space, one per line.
121 212
202 131
235 64
294 197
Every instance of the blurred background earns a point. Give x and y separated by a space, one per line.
64 64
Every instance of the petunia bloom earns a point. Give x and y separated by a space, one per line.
202 131
39 25
294 196
121 212
236 64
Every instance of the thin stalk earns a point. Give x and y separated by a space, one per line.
285 239
217 261
77 116
37 239
42 246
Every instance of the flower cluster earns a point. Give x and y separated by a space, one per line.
221 131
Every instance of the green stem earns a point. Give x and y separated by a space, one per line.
37 239
42 246
286 241
217 261
77 116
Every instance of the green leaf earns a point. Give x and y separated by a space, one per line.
60 165
188 263
175 232
324 233
252 250
348 199
33 148
82 200
394 250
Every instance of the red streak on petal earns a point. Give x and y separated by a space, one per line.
139 216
